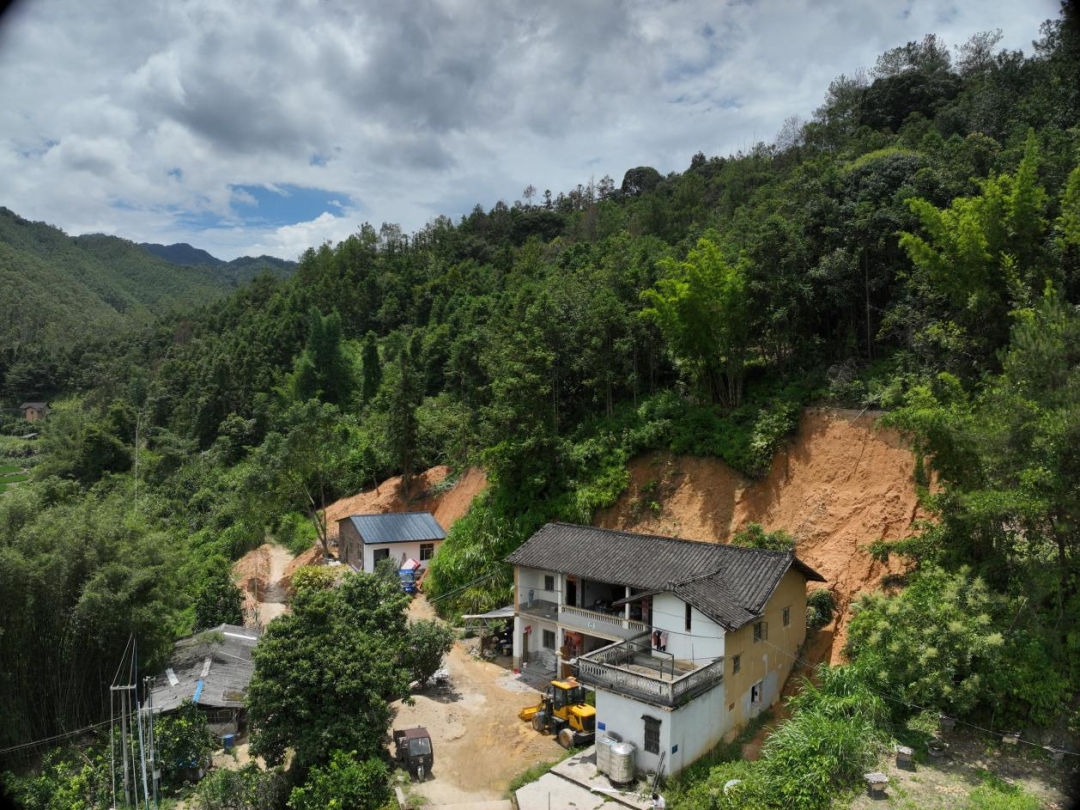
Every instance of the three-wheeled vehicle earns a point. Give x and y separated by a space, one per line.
408 574
414 752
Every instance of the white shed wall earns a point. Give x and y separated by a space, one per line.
697 728
399 552
623 716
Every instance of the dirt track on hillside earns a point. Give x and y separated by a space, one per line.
840 484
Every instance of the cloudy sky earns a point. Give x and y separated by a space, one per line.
261 127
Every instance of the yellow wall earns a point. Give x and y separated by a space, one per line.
769 662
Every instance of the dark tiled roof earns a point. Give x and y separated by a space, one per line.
35 405
729 584
400 527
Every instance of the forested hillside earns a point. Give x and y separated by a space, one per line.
61 294
914 247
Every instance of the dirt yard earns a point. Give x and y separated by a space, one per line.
480 744
946 784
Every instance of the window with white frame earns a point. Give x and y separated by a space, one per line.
549 582
427 551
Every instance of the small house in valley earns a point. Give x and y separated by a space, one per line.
363 540
212 668
33 411
684 642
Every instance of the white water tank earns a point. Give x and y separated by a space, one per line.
603 751
622 763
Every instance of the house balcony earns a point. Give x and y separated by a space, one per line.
591 622
632 668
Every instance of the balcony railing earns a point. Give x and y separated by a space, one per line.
632 669
602 623
587 621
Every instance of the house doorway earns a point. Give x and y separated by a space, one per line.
525 646
571 592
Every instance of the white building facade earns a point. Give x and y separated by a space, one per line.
683 642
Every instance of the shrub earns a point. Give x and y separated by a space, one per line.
250 788
754 536
429 640
933 644
183 740
820 605
345 783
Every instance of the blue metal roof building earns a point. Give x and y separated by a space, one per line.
402 527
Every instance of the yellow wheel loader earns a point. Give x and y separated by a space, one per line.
562 711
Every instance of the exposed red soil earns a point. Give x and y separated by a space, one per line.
841 484
447 506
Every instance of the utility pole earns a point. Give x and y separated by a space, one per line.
124 740
155 772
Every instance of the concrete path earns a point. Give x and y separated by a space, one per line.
551 792
575 783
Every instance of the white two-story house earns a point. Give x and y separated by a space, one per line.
683 641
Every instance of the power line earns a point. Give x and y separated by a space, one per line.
55 737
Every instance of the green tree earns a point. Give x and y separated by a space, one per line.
701 306
218 600
933 644
302 464
372 371
326 672
183 740
344 783
249 788
429 641
406 390
323 371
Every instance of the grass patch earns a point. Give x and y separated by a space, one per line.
13 479
538 770
9 468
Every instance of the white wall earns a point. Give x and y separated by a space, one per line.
532 579
704 643
697 728
622 716
399 552
693 729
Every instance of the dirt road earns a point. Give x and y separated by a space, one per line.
260 574
480 744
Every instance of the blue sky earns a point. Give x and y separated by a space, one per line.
268 127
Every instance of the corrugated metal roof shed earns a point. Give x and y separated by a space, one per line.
399 527
730 584
213 668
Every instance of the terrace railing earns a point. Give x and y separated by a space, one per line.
609 668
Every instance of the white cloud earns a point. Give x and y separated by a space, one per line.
407 110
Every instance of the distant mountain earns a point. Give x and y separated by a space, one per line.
182 253
56 290
238 271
